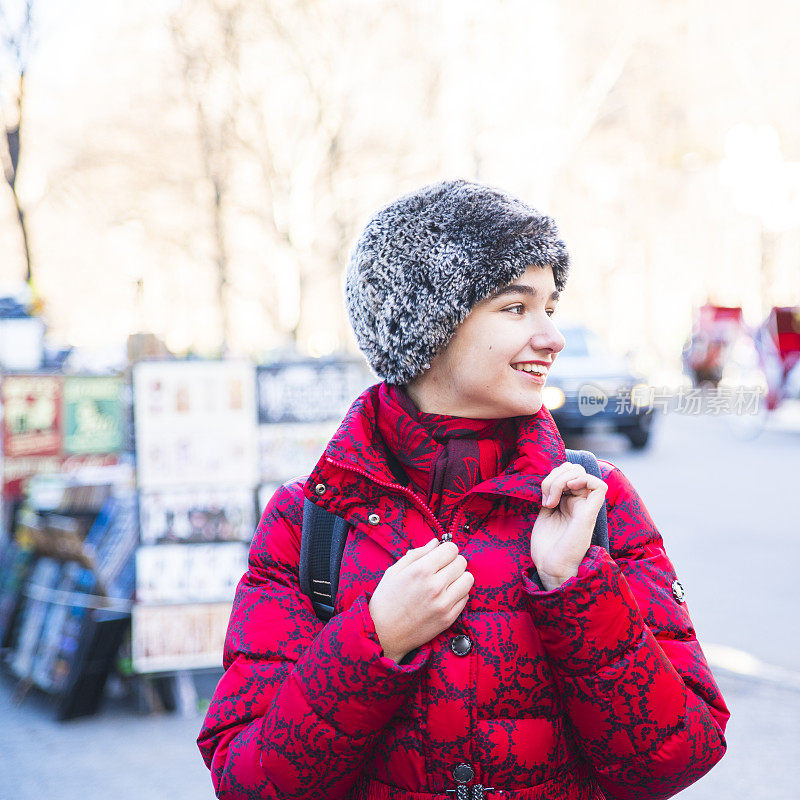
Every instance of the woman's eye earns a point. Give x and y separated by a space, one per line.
517 308
550 312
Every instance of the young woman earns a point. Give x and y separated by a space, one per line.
481 646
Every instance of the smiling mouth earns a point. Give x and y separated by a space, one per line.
534 369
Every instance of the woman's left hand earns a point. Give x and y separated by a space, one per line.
562 533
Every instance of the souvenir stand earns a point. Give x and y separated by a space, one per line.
196 473
66 555
129 503
214 439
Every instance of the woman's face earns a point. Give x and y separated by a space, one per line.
484 372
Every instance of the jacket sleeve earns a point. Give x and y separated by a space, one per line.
301 704
645 708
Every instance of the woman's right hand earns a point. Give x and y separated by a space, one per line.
419 596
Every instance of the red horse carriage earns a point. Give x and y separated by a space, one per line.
777 342
715 331
729 355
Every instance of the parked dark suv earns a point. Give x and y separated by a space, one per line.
589 390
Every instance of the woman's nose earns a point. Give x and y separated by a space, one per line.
548 337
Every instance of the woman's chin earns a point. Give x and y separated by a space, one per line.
525 407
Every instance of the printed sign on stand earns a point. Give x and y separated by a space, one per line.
292 449
197 470
195 424
92 414
197 515
32 420
309 391
197 573
178 637
18 471
52 424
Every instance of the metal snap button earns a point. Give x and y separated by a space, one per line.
461 645
373 519
677 591
463 773
320 489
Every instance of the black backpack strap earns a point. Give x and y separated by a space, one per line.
321 548
588 461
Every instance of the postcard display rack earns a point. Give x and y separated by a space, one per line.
66 573
196 469
100 554
213 442
300 405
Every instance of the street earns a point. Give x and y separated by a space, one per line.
723 507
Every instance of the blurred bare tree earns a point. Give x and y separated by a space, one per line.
17 31
225 152
282 94
209 72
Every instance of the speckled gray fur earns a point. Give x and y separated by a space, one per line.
423 262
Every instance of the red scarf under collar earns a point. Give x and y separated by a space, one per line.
443 456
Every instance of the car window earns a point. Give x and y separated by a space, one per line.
581 343
576 345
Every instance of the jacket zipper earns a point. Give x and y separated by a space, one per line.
396 487
437 525
454 526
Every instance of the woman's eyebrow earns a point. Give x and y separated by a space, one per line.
522 288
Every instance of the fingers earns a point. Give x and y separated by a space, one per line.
440 567
414 554
429 558
438 557
554 474
429 585
553 485
591 481
450 572
569 479
452 615
595 488
458 591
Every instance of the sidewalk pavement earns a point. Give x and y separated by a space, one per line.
118 754
121 755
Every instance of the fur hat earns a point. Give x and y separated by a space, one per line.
422 263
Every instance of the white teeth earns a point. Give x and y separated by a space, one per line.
537 369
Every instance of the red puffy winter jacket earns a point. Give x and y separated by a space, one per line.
596 689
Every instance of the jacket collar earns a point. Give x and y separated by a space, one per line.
357 446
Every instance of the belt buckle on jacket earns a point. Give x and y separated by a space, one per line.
476 792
